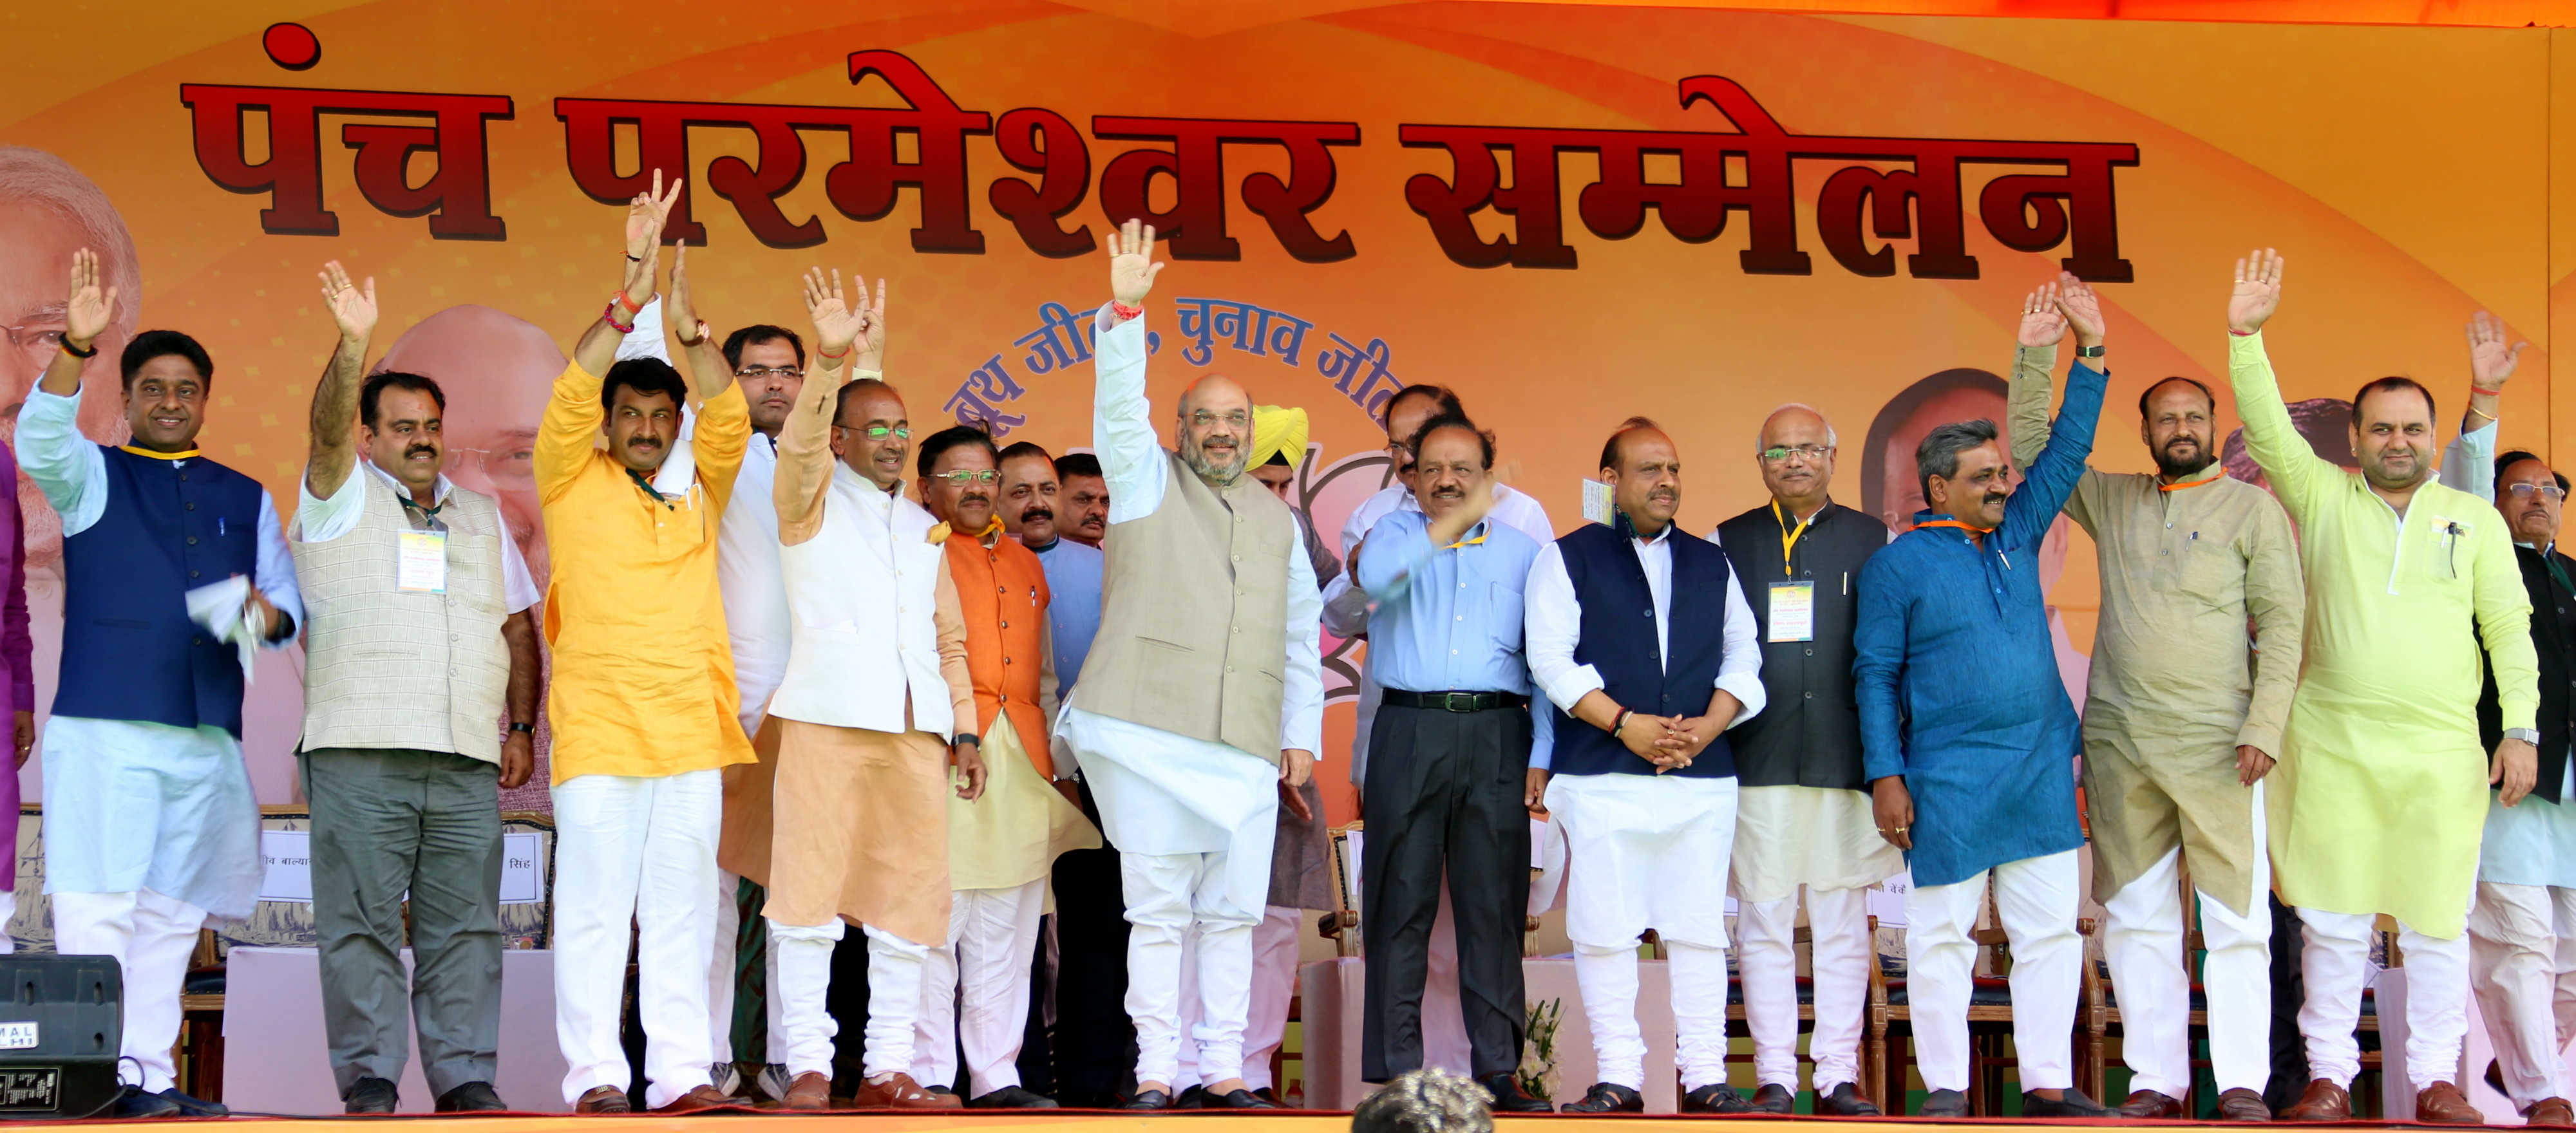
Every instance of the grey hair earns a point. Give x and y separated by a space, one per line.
1938 455
1429 1100
49 182
1831 441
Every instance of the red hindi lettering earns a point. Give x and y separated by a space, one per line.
1195 225
459 192
1537 240
864 187
1042 142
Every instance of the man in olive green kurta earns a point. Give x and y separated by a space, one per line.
2380 796
2182 718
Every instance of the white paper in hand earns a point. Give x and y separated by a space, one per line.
222 607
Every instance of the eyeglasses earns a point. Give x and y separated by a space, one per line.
1781 454
769 372
965 476
2545 491
507 469
877 432
1202 418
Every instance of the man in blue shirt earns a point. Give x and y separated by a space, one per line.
1969 745
1453 743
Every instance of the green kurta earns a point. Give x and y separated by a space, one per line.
2382 789
2177 682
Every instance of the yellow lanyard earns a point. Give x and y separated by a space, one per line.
191 454
1789 538
1469 542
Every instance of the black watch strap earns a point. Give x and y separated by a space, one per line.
970 738
2088 351
516 726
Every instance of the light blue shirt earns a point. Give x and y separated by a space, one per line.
1073 604
1449 619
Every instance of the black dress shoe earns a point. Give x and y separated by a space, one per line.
1012 1097
1239 1099
1944 1103
370 1095
2073 1104
194 1107
1148 1099
472 1097
136 1103
1194 1097
1509 1097
1846 1101
1716 1097
1775 1098
1607 1097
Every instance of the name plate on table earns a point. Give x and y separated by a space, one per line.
288 855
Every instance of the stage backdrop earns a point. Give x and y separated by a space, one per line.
1570 213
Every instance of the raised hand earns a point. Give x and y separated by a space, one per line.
86 312
1131 262
2081 308
871 343
835 324
2490 362
2258 291
2042 324
352 307
646 216
680 314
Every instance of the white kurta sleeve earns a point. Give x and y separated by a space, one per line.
276 577
1122 427
51 450
1552 622
1739 668
321 519
1301 703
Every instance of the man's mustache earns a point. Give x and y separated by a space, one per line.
1998 497
1040 512
420 450
974 498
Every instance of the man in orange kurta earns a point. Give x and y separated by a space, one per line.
1002 845
643 697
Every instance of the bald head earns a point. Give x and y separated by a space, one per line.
1215 429
1796 455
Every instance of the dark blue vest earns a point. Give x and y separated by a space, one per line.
129 650
1619 643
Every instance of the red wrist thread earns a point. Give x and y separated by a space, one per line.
609 315
2488 392
2243 333
819 352
1127 310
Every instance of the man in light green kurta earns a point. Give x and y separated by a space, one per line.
2380 797
2182 718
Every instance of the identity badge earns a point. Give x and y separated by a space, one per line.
421 562
1793 611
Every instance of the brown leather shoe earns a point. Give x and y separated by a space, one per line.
901 1092
704 1097
603 1099
2321 1101
811 1090
2553 1112
2443 1104
2241 1104
2150 1104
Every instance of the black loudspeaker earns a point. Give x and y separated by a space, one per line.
60 1028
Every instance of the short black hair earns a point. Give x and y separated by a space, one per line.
1452 421
2143 395
1019 449
2391 383
2517 456
646 376
1445 398
754 335
1610 448
374 391
955 436
153 344
1938 455
1074 464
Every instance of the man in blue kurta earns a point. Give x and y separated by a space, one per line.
152 825
1969 744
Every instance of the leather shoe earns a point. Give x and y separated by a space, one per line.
472 1097
899 1091
2549 1112
2069 1103
2443 1104
1716 1097
2241 1104
603 1099
2321 1101
702 1097
1509 1097
1235 1099
810 1090
134 1102
2150 1104
194 1107
370 1095
1609 1097
1943 1103
1846 1100
1194 1097
1774 1098
1148 1099
1012 1097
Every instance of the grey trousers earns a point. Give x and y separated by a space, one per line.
387 821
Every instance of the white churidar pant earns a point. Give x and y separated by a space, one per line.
637 851
2036 898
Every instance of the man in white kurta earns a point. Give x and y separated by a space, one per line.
1203 698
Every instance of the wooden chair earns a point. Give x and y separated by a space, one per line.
1342 925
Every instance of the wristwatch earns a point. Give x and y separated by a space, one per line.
2088 351
970 738
516 726
2527 735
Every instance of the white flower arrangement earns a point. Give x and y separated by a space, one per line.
1537 1072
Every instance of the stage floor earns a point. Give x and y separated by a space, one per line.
1084 1122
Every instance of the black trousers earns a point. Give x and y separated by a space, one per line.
1443 792
1094 1040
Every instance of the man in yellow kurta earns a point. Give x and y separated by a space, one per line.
643 699
2380 795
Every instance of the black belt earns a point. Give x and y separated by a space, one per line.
1456 701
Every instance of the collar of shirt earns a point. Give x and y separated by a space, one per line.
438 492
2212 474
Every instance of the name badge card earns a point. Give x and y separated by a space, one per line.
1793 611
420 562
